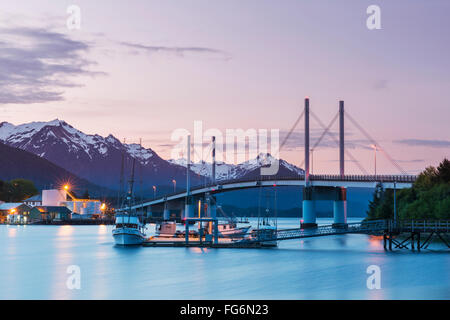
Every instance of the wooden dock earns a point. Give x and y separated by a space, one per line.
195 242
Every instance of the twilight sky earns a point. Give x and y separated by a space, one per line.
143 68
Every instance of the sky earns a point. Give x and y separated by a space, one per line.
145 68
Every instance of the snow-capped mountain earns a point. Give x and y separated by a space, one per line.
225 171
98 159
93 157
31 135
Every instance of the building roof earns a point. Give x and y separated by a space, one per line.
10 205
53 209
35 198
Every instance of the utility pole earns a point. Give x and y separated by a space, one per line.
395 204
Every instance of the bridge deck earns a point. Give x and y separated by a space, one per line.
269 181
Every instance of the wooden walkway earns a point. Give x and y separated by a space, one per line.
413 234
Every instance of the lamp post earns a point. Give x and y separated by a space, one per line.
154 192
174 185
395 204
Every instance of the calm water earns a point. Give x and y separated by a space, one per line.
34 261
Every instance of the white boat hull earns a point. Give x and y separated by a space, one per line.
237 232
128 237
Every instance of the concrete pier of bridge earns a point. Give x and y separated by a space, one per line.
338 194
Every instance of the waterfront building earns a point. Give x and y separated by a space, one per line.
84 207
50 213
14 213
34 201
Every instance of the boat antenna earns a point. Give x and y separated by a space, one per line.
140 180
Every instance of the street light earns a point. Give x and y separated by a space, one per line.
66 187
174 185
154 191
374 147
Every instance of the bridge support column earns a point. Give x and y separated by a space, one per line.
149 212
189 209
212 208
309 210
340 208
166 212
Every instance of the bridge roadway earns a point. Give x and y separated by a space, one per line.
348 181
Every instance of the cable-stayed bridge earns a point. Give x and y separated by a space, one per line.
315 187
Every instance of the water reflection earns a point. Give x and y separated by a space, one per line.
316 268
12 231
102 229
64 231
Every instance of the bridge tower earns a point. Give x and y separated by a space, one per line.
309 213
213 167
340 200
189 208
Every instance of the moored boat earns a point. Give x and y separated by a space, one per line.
128 231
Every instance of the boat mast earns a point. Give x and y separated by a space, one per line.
130 192
120 193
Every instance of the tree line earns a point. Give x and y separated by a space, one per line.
429 197
17 190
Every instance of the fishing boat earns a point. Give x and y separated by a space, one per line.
129 230
231 230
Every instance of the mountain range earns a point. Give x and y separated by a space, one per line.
20 164
99 159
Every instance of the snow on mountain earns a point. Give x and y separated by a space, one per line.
24 136
90 156
225 171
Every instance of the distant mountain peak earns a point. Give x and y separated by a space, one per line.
226 171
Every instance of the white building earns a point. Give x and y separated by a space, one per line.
84 207
54 197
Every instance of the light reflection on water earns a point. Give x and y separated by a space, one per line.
34 262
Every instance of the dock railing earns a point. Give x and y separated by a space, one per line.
420 226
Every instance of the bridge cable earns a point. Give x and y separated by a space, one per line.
358 164
373 141
325 131
292 130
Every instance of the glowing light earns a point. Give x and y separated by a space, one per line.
103 206
12 211
66 187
